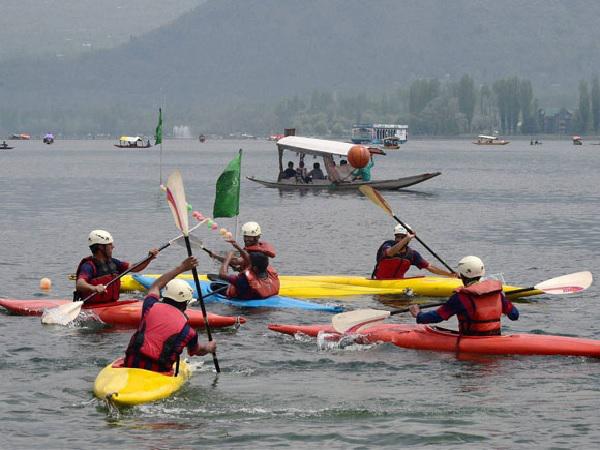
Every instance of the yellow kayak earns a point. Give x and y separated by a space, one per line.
319 286
125 386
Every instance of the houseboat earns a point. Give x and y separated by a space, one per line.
375 133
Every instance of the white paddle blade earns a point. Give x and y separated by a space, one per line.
195 241
177 202
352 320
566 284
63 314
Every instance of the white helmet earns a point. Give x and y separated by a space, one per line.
251 229
179 291
99 237
471 267
399 229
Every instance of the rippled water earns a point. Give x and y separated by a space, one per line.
531 212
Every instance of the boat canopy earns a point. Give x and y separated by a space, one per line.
130 139
482 136
319 147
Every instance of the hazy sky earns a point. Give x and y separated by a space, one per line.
67 27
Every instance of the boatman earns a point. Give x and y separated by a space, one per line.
164 330
257 279
478 305
251 232
394 258
94 272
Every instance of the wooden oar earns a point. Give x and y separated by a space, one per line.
65 314
352 320
374 195
178 205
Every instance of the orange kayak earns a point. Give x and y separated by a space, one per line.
124 313
425 337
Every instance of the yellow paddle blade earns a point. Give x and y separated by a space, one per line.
177 202
63 314
376 198
349 321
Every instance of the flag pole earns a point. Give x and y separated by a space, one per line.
237 217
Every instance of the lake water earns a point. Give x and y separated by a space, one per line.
530 212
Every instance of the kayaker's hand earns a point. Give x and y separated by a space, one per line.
410 236
204 349
188 263
153 253
414 310
100 288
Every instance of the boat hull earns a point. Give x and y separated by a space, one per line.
328 286
125 386
394 184
125 313
424 337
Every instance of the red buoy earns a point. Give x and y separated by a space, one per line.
358 156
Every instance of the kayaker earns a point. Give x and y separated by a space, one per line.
478 305
164 330
394 258
95 271
257 279
251 232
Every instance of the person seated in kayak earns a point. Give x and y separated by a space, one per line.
394 258
251 232
257 279
478 305
164 330
94 272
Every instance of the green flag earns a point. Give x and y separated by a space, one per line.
227 198
158 132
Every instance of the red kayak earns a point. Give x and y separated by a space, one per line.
125 313
425 337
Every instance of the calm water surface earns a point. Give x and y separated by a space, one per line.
531 212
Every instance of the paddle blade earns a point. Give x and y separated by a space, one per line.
352 320
195 241
566 284
376 198
177 202
63 314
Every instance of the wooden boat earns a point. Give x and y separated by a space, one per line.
20 137
202 138
5 146
132 142
391 143
489 140
577 140
48 139
327 150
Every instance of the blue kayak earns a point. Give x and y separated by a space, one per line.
275 301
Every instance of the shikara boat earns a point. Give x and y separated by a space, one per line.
327 150
489 140
132 142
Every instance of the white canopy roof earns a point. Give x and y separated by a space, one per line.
130 139
481 136
318 147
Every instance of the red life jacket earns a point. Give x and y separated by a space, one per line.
483 304
102 273
160 333
389 268
259 287
262 247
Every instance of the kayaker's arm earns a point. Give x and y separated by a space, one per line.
84 288
185 265
398 246
436 270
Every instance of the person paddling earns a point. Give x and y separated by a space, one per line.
164 330
478 305
394 258
257 279
95 271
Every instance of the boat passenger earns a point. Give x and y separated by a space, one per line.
94 272
394 258
478 305
345 170
290 172
364 173
301 173
316 173
257 279
164 330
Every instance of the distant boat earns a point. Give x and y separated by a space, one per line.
392 143
132 142
5 146
489 140
21 136
577 140
275 137
48 139
202 138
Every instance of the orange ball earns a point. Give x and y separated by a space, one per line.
45 284
358 156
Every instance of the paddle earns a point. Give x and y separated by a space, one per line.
178 206
64 314
352 320
374 195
